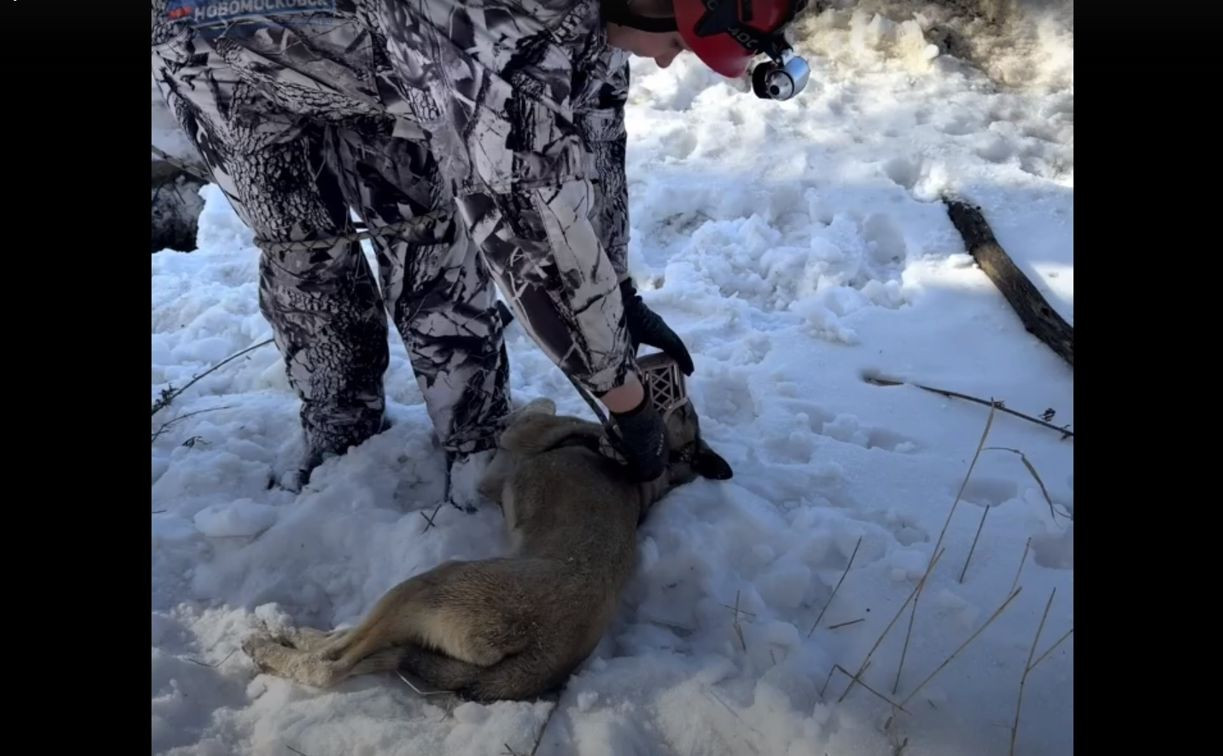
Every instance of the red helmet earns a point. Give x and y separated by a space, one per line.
727 34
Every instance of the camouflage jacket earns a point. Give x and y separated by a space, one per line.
523 105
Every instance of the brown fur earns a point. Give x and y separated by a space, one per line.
512 627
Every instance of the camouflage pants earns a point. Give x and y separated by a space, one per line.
294 176
493 133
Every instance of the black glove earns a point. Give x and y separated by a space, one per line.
642 440
645 327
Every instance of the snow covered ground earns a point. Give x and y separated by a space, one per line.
796 247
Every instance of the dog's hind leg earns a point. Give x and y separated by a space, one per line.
379 661
463 609
518 677
466 610
438 670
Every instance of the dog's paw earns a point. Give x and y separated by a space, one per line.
258 648
302 638
308 638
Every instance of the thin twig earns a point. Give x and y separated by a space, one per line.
997 613
417 690
735 624
879 380
971 549
429 518
826 681
1056 643
858 679
888 629
170 393
294 750
540 737
206 664
165 426
1022 559
846 624
837 588
1040 628
904 652
989 421
710 693
1035 476
1027 667
829 678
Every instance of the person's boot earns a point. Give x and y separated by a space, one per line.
325 447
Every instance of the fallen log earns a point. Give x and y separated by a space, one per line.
1038 317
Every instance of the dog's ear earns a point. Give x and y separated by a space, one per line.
538 431
540 406
709 464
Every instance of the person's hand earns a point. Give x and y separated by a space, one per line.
642 440
646 327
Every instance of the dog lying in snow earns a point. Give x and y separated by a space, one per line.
516 627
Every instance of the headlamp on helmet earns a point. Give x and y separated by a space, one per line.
727 34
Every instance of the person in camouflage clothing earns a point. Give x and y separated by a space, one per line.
482 143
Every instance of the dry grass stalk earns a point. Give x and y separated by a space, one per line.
218 664
847 624
858 679
417 690
997 613
975 538
1022 559
886 630
837 588
904 651
735 624
1052 648
429 518
1027 667
1053 513
540 737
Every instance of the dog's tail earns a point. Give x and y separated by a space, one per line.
518 677
379 661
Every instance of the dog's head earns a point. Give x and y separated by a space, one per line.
688 454
536 428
